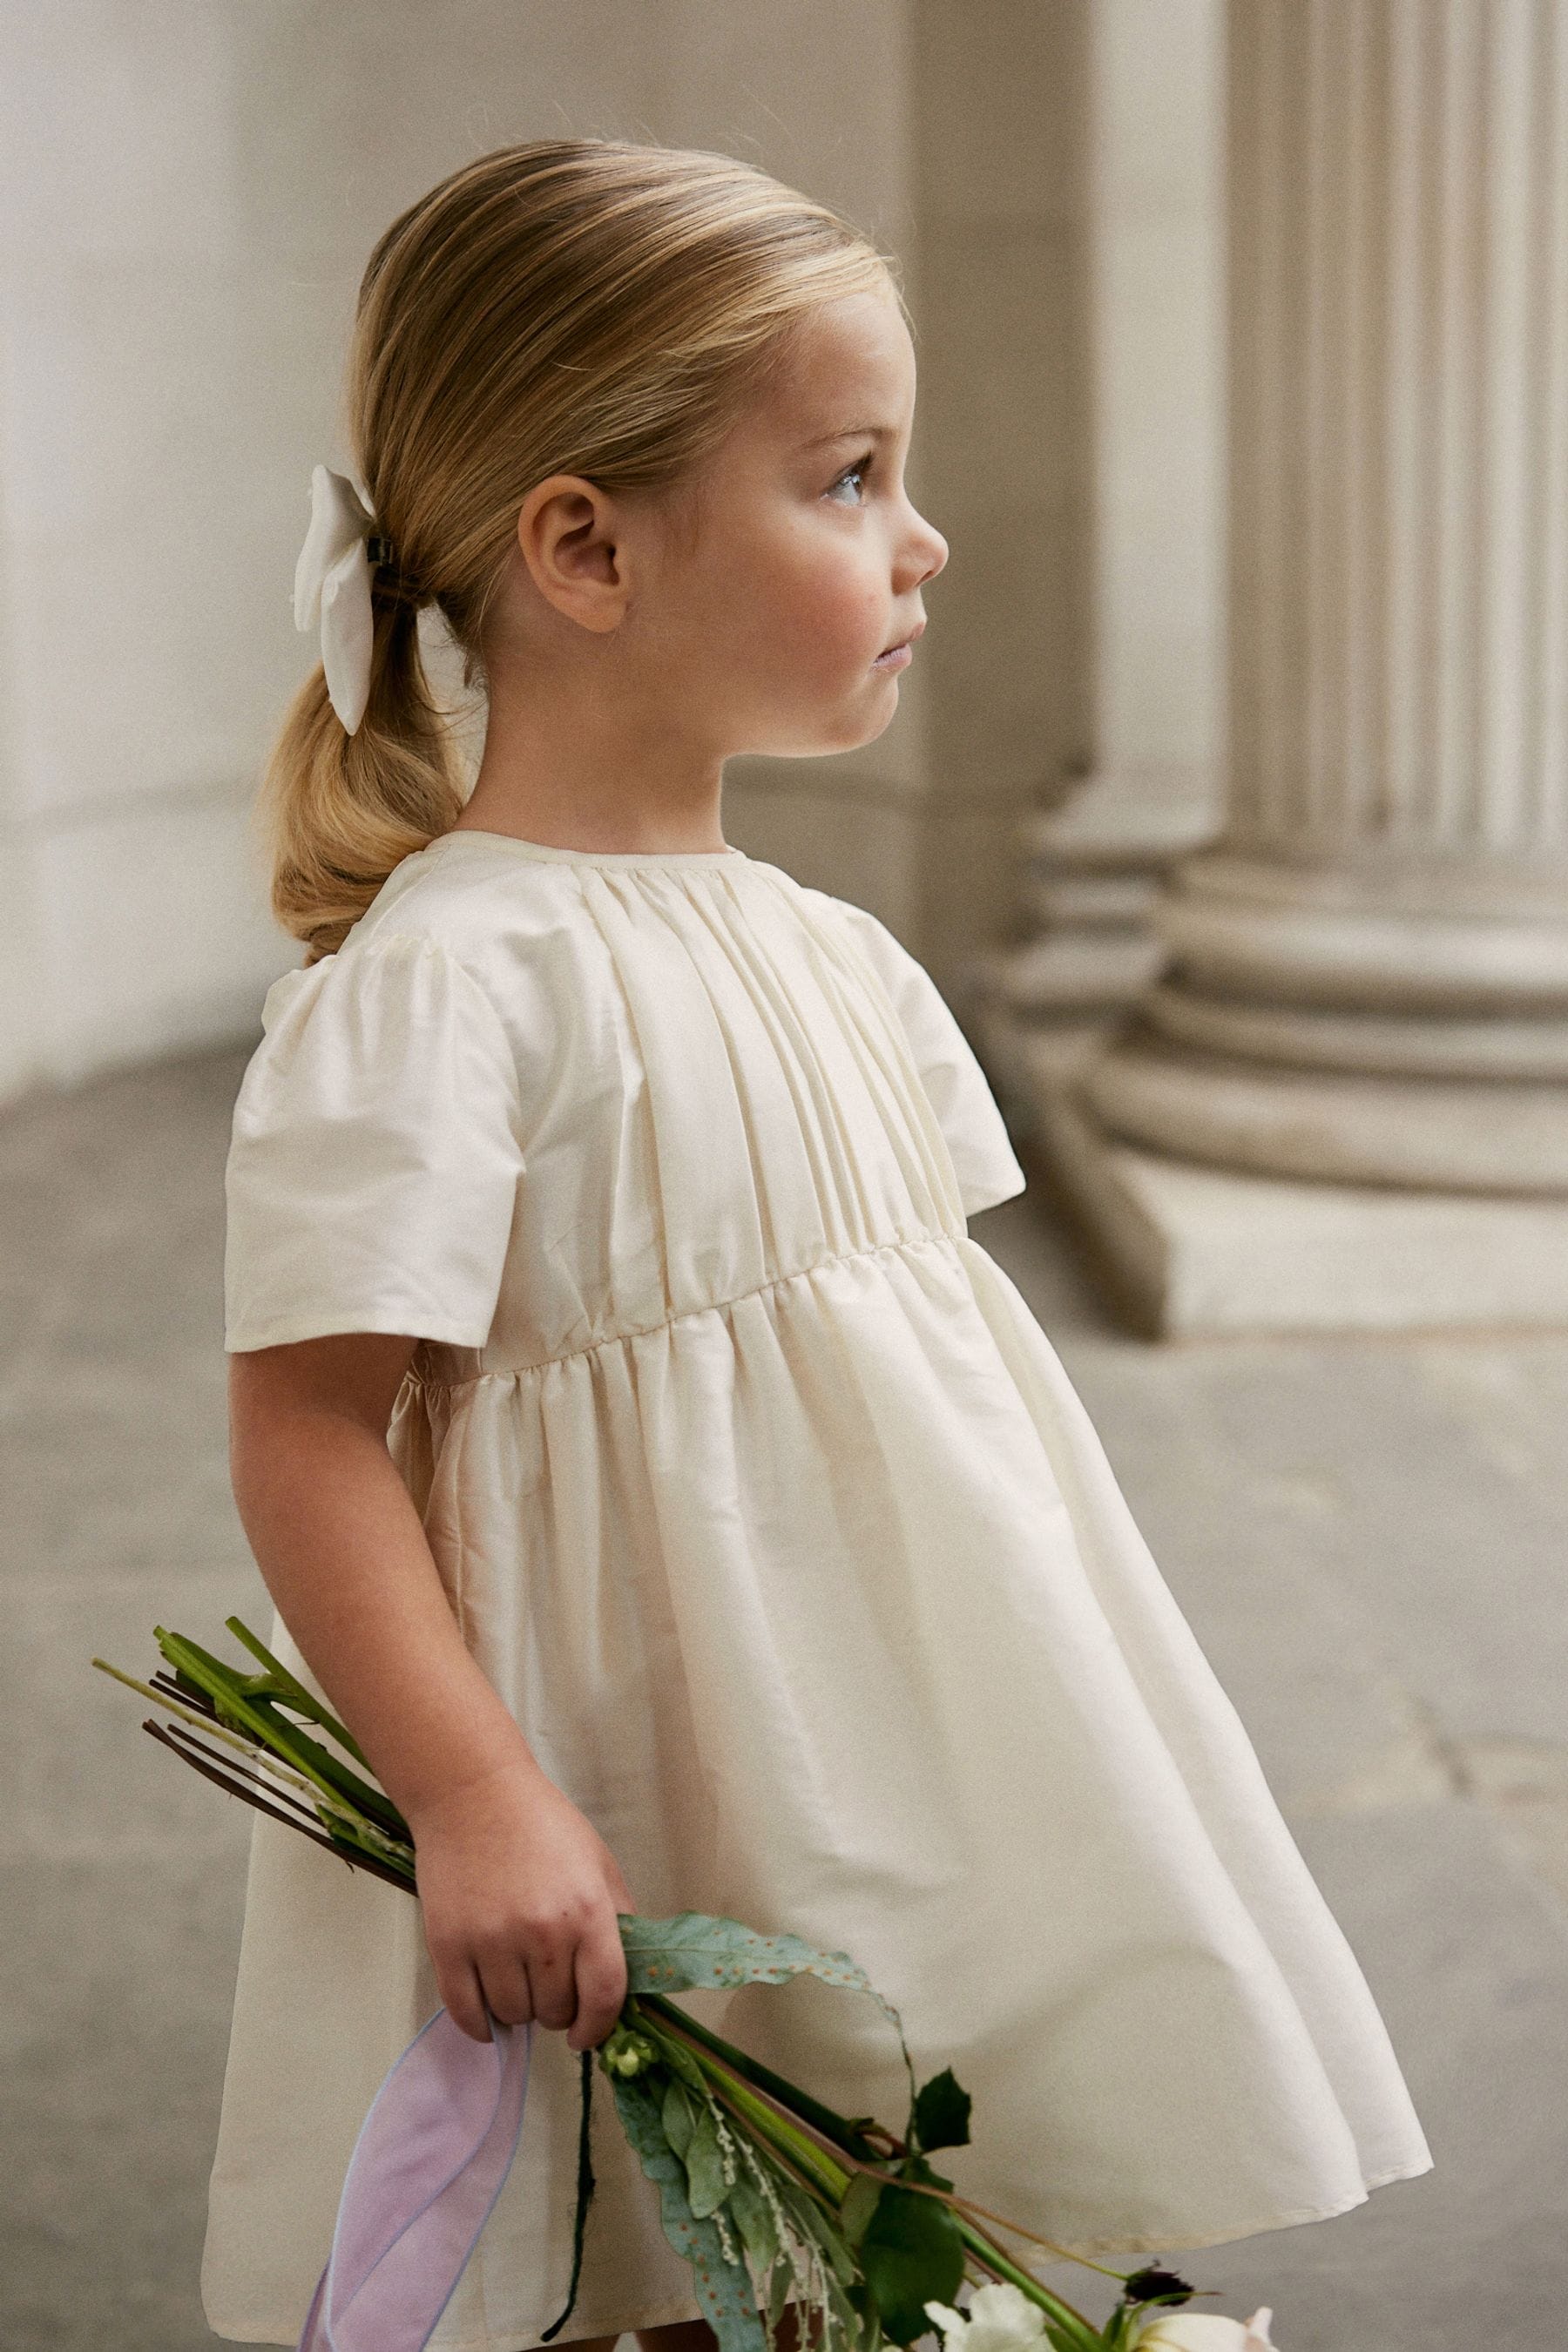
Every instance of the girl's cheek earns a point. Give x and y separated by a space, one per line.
809 615
848 607
845 626
816 598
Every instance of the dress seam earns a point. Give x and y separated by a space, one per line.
684 1314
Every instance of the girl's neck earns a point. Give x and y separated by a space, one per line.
591 793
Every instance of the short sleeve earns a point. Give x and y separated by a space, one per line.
376 1156
983 1157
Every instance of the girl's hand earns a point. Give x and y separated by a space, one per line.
520 1895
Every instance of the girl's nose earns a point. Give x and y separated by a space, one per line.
931 551
924 551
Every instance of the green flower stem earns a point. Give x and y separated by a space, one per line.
290 1686
978 2213
831 2124
259 1717
368 1833
766 2121
829 2179
784 2165
219 1681
252 1748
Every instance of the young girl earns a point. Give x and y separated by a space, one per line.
681 1508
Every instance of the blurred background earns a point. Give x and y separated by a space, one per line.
1227 801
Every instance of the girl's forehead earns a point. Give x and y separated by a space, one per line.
850 371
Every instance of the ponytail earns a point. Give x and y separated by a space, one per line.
342 810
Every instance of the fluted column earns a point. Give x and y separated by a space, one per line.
1144 784
1368 972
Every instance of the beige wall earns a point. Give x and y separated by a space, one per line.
189 189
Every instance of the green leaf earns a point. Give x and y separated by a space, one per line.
722 2287
679 2116
706 2185
1116 2328
812 2223
918 2168
754 2218
778 2293
860 2204
700 1949
869 2328
941 2111
680 2061
840 2253
913 2253
841 2305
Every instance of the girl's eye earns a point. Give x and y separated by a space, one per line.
861 467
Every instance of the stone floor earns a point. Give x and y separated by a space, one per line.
1369 1539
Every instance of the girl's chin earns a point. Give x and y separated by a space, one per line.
875 721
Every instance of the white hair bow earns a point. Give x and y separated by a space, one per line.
331 589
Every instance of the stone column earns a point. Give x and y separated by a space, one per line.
1368 975
1152 634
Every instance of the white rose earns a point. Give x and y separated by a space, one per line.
1001 2318
1205 2331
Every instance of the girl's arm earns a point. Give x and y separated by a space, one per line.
518 1890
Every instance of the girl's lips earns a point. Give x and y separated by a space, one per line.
897 656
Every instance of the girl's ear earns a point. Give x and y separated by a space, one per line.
569 531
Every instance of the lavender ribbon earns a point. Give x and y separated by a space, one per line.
427 2168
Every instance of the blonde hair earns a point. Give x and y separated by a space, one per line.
579 306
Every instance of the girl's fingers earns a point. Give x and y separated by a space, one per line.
463 1997
508 1988
550 1973
601 1972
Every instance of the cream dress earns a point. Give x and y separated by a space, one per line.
767 1506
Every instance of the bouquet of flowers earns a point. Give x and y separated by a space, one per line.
768 2193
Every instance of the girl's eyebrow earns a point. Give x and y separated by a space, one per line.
852 433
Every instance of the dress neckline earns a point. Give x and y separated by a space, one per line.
554 851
